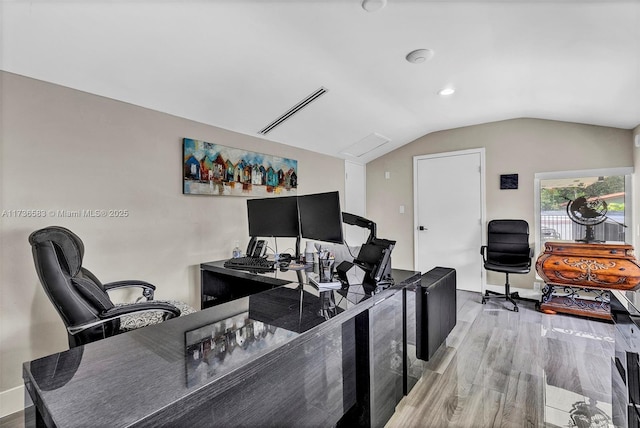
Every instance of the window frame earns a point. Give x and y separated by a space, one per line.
627 172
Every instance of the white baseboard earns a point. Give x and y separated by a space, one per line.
12 401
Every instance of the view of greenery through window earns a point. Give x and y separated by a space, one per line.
555 194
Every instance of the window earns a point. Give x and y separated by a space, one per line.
606 191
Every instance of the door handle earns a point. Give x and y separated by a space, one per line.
422 228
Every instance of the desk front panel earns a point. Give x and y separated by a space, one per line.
308 382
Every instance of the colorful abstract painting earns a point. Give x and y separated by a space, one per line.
212 169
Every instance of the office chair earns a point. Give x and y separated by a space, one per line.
507 251
82 300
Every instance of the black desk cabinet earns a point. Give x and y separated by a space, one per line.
435 310
430 315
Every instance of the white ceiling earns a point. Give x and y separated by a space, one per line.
239 64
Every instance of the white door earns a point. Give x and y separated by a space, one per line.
449 214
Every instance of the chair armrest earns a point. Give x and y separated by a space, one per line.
132 308
147 288
121 311
483 251
531 250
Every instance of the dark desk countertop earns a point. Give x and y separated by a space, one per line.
122 380
627 318
632 299
280 277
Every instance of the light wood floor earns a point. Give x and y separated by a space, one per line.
501 368
505 369
17 420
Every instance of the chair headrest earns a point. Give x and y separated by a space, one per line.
70 244
508 226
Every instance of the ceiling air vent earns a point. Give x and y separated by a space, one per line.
293 110
366 145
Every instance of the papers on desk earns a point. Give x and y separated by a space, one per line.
314 279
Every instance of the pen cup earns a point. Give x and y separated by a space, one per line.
326 270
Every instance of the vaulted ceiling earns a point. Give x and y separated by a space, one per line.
240 64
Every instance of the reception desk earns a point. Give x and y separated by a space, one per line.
625 371
288 354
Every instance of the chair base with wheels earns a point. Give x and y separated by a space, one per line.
508 296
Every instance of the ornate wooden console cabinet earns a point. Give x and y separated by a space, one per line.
578 276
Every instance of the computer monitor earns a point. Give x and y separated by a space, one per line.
375 259
321 217
276 216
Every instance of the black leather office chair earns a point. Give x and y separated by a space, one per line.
507 251
82 300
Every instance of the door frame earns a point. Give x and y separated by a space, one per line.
349 190
483 202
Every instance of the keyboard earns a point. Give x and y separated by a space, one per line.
260 264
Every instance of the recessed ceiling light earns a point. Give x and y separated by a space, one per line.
373 5
446 91
419 56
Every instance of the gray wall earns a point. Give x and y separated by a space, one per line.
522 146
65 149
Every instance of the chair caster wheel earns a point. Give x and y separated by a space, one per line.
484 301
515 309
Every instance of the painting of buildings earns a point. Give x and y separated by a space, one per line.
213 169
